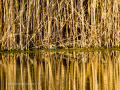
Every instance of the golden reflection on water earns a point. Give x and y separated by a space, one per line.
60 71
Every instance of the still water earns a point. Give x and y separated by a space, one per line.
60 71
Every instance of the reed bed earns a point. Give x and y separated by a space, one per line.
56 71
26 24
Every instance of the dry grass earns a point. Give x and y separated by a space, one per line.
33 23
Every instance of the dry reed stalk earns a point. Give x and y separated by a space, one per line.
1 18
96 21
7 21
28 20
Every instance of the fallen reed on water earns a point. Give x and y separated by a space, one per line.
26 24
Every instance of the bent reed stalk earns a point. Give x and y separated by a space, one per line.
26 24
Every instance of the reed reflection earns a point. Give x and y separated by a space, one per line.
60 70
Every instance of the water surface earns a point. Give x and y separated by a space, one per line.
60 71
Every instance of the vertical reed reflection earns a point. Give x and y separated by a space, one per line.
60 70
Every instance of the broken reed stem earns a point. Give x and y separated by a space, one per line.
89 23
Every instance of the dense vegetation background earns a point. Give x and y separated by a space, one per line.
25 24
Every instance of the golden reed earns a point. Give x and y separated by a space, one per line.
25 24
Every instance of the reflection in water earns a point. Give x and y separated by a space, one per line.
60 71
